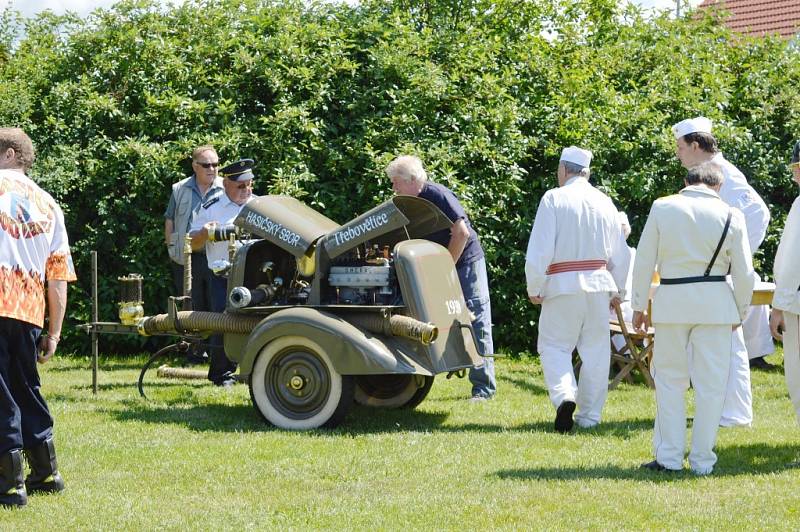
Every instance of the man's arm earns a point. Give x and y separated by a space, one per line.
169 228
756 217
742 273
459 235
169 217
56 307
620 262
643 268
785 270
541 248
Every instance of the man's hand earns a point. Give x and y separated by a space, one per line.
203 235
777 324
47 348
210 227
536 300
614 300
639 321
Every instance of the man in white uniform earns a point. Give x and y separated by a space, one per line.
696 145
786 301
576 262
625 304
694 238
217 213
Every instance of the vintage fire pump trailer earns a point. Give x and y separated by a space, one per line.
321 314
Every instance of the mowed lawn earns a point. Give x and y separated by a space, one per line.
197 457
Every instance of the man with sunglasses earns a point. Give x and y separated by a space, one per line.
215 214
188 195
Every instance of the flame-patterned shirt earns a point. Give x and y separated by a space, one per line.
33 247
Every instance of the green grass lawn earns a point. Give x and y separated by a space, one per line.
198 457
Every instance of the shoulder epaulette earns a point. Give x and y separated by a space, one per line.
210 202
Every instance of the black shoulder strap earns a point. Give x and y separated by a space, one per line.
719 245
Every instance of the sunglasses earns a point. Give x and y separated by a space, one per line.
208 165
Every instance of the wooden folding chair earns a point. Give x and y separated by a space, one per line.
635 353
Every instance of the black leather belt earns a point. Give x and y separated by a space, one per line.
698 279
706 277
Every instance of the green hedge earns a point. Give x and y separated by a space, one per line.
324 95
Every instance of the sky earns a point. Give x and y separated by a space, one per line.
84 7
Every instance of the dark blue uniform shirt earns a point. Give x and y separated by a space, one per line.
447 202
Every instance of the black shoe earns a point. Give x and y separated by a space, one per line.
12 488
44 477
564 420
762 364
655 466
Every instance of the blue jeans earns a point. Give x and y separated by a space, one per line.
475 286
25 420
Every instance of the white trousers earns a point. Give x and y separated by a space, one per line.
671 367
791 358
738 407
570 321
757 336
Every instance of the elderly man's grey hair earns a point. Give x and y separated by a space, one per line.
408 168
576 169
707 173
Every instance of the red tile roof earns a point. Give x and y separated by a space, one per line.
760 17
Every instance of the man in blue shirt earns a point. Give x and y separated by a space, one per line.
188 195
409 177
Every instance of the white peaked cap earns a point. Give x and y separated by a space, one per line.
699 124
576 155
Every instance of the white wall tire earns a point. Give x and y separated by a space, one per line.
294 385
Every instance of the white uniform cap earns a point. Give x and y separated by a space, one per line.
698 124
577 156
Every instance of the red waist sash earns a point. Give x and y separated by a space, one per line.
576 266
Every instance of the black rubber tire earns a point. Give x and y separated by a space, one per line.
392 391
294 385
421 393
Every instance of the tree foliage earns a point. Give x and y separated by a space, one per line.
324 95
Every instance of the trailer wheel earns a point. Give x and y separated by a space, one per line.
392 391
295 386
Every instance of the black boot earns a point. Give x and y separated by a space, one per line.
44 475
12 489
